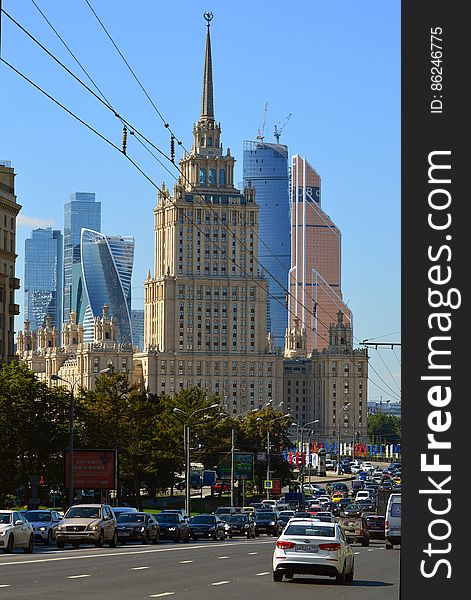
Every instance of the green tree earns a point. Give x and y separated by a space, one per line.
384 428
34 424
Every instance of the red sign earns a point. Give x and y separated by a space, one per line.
276 486
92 469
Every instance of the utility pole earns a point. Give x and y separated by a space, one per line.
232 463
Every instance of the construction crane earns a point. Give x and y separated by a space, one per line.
261 129
279 128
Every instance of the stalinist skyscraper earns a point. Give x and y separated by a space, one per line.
205 305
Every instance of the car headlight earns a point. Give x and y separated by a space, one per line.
172 528
246 525
42 528
3 532
272 523
61 528
226 526
211 529
93 527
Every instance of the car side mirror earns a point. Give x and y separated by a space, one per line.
19 522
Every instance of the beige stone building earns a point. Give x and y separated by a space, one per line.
318 386
76 361
205 304
9 209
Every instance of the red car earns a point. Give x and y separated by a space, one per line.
221 487
314 509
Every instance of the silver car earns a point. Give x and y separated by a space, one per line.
88 524
15 532
44 523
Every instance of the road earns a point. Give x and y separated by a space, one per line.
232 570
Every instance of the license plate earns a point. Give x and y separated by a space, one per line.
125 533
301 548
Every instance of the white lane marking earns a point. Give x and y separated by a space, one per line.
162 594
5 585
185 562
356 553
221 557
76 556
372 550
77 576
220 582
251 553
264 573
138 568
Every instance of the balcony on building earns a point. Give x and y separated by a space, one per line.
14 309
15 283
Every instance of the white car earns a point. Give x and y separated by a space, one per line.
310 546
362 495
15 532
393 521
367 466
323 499
44 524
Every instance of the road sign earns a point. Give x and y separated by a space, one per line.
268 484
243 466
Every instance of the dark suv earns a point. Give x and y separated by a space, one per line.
207 526
268 522
173 527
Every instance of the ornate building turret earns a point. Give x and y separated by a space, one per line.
340 335
72 333
295 341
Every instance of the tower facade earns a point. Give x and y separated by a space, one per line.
205 303
266 169
43 278
81 211
316 245
107 263
9 209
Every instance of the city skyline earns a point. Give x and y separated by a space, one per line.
332 155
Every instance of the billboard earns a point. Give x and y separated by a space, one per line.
92 469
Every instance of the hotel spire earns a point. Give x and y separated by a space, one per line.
207 104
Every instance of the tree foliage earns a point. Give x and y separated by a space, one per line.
384 428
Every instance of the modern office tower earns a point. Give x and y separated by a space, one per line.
43 278
9 209
81 211
137 325
315 274
107 263
205 305
266 168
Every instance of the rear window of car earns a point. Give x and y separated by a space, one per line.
203 520
167 518
36 515
131 518
310 529
396 509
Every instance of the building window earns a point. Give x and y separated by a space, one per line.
222 181
212 173
210 141
202 176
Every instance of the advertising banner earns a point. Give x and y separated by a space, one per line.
92 469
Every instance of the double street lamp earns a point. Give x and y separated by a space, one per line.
186 447
268 444
345 409
72 384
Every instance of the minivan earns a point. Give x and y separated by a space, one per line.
393 521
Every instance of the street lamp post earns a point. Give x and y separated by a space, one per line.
56 377
186 446
268 445
302 428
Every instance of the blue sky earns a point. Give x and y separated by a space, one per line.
333 64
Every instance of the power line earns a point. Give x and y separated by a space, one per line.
392 377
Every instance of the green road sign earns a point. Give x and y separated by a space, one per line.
243 466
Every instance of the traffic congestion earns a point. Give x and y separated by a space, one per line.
314 532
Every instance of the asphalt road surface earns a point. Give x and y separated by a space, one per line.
236 569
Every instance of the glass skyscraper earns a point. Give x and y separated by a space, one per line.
107 263
266 167
137 324
43 278
81 211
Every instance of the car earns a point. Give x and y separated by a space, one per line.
138 526
225 510
375 526
303 515
241 525
173 526
330 465
367 504
339 487
221 487
248 509
269 502
346 469
267 521
180 485
326 516
392 523
257 505
352 510
362 495
367 466
337 496
207 526
15 532
322 499
314 548
179 511
344 502
44 524
286 515
355 529
386 485
87 524
310 488
119 510
333 507
314 508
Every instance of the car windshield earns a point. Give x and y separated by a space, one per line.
167 518
5 518
237 519
353 507
223 511
83 512
265 516
38 515
310 529
202 520
131 517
